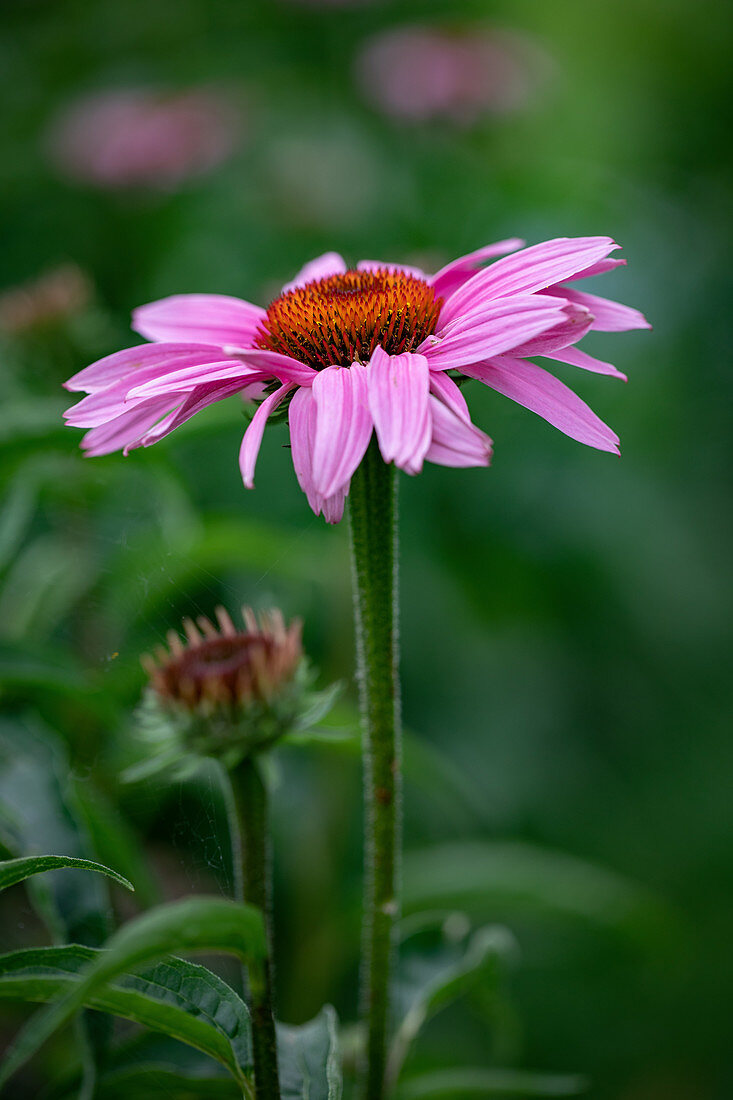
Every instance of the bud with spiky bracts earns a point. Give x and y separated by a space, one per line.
224 692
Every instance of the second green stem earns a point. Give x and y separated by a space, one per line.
250 798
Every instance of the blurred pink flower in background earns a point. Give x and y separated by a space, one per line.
141 138
420 72
53 296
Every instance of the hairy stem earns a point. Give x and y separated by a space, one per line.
250 801
374 552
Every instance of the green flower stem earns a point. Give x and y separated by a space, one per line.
372 502
250 801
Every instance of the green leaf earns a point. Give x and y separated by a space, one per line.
194 924
47 577
29 665
36 816
15 517
477 967
480 1084
482 877
150 1082
177 998
15 870
309 1059
31 419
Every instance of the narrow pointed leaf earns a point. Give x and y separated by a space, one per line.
150 1081
16 870
482 875
481 1084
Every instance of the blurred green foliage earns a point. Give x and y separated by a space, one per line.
567 616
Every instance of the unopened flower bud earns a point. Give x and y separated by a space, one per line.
225 692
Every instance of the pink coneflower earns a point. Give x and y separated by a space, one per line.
418 73
141 138
379 348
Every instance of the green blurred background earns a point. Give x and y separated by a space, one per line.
566 616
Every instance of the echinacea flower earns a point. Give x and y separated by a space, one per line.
379 348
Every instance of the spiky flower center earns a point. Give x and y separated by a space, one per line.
226 667
342 319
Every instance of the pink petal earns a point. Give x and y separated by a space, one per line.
99 408
398 402
502 325
599 269
456 441
455 274
572 328
333 507
577 358
536 389
384 265
330 263
230 370
527 271
608 316
302 418
198 399
302 421
124 430
253 436
129 362
208 318
343 426
443 386
272 362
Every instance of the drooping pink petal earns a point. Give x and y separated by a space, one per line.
609 316
572 328
273 362
124 430
207 318
125 364
229 370
105 405
333 507
455 274
398 402
385 265
330 263
443 386
502 325
456 441
538 390
199 398
343 426
532 269
599 268
302 421
253 436
577 358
